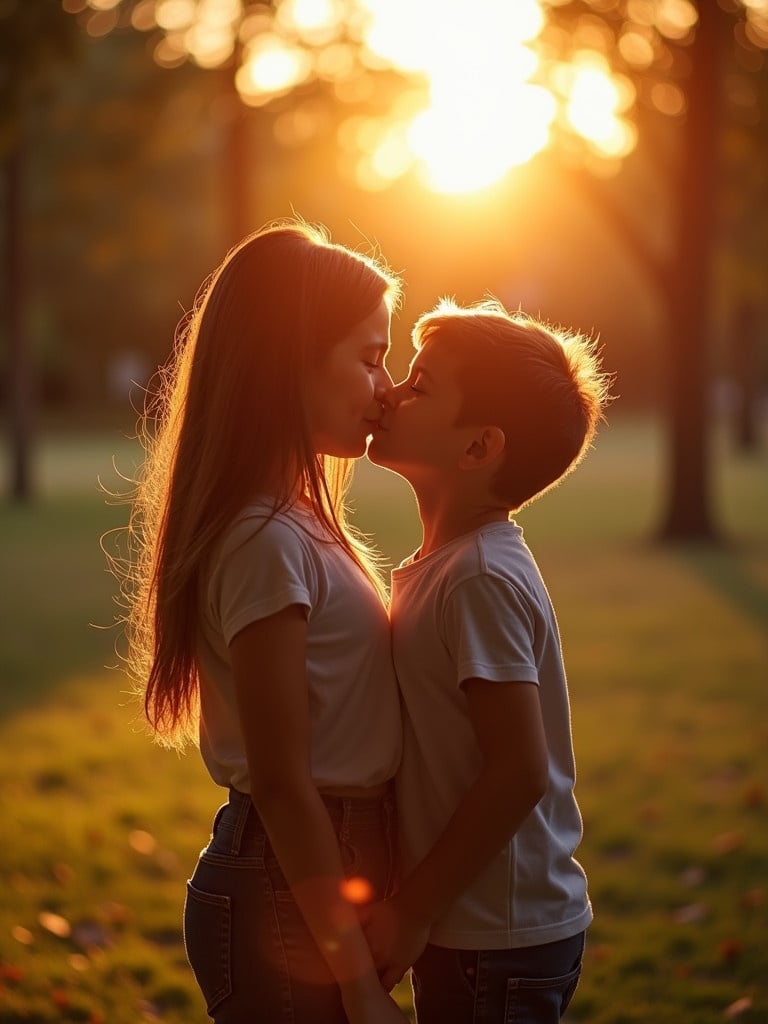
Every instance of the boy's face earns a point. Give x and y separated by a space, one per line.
417 434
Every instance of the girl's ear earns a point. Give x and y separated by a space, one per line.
485 447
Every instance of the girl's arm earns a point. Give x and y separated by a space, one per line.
269 667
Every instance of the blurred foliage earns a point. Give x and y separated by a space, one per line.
35 40
119 218
138 178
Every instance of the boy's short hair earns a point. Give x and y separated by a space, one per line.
542 386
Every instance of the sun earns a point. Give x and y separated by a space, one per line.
485 112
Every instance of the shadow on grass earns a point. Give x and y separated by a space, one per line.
728 571
56 590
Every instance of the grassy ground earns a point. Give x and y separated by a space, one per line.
666 651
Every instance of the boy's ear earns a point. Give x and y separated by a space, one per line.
484 448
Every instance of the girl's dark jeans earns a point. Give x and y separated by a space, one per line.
251 952
532 985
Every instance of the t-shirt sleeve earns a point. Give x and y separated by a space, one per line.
489 629
261 569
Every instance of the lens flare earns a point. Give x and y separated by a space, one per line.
356 890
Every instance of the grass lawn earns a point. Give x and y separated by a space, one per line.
666 650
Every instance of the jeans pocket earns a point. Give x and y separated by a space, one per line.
535 1000
207 938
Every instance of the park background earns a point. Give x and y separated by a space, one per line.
632 206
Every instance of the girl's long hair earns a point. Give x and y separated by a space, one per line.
225 422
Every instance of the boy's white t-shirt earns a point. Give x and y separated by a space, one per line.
478 608
259 567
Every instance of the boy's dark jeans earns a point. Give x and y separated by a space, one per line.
532 985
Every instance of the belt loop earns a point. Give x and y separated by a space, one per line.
243 806
346 808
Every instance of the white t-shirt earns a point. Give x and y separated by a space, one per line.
259 568
478 608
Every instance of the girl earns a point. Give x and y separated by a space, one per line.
257 624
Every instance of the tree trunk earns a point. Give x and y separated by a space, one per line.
19 384
688 515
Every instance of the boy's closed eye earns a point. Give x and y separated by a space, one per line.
418 380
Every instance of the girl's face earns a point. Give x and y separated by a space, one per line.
346 389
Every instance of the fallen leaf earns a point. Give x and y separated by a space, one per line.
63 873
60 998
142 842
691 914
737 1008
22 935
730 950
753 897
692 877
11 973
168 861
727 842
649 814
89 934
55 924
602 951
116 913
754 795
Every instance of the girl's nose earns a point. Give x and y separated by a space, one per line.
389 397
383 384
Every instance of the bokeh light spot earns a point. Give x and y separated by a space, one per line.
356 890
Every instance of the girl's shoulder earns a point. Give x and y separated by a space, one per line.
261 526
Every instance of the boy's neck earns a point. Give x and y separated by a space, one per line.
446 516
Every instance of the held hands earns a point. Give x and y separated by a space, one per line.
366 1002
396 940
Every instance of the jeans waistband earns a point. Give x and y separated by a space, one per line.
240 818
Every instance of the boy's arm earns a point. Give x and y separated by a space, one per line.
506 717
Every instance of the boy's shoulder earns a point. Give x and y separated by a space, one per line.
497 549
495 546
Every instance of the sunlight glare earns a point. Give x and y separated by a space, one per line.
143 16
272 66
676 18
316 22
219 12
209 44
475 149
171 15
484 94
636 49
483 116
595 98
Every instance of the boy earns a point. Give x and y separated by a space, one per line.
493 906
